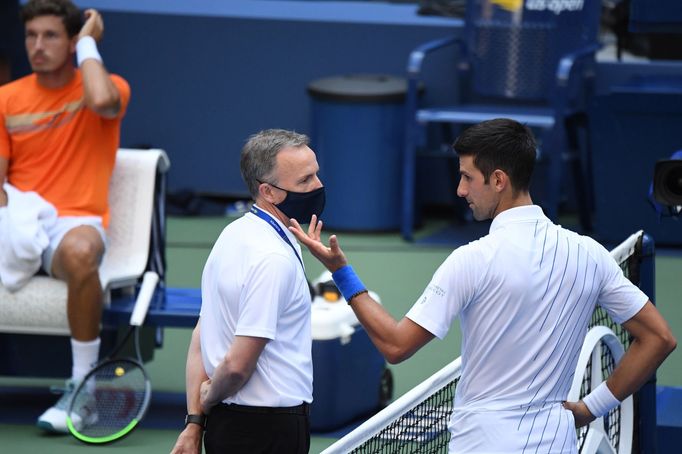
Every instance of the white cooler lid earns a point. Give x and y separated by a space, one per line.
332 320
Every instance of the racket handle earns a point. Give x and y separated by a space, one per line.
149 281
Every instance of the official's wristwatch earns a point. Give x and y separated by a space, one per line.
196 419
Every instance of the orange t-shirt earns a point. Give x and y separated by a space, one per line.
58 147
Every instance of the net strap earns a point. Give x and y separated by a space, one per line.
627 248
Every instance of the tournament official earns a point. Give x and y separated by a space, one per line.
249 365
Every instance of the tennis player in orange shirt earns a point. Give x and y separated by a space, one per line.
59 132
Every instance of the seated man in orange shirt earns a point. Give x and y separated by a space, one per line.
59 132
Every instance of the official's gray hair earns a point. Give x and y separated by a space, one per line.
259 155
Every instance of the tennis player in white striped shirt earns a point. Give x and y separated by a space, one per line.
524 295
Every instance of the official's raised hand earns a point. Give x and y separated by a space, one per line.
332 257
93 26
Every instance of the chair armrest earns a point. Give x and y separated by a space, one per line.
414 63
565 66
560 96
414 67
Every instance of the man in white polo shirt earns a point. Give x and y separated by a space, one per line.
524 294
249 365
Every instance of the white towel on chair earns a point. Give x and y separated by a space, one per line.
23 238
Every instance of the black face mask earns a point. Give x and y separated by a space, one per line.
302 205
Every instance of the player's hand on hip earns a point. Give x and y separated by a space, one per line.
332 257
580 412
189 440
93 26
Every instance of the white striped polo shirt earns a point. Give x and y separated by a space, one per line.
524 294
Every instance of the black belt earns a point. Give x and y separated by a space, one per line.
302 410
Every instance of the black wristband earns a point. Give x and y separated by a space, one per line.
196 419
356 294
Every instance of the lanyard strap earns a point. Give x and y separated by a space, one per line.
267 218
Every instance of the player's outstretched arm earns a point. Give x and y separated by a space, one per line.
396 340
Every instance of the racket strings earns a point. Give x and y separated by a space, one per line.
112 397
612 419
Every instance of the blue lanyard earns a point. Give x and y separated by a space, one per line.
267 218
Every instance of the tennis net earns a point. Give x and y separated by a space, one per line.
417 421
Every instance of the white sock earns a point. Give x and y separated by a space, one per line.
85 355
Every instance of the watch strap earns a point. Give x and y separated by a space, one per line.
196 419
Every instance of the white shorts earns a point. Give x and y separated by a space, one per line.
548 429
61 227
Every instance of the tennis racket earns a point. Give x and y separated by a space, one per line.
612 433
114 396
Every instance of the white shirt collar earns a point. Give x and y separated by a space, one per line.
288 233
517 214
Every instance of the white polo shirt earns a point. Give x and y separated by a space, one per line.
524 294
254 285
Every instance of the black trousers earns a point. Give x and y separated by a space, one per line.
257 430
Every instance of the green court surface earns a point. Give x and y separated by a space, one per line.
396 270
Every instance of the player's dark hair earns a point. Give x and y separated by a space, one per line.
65 9
500 144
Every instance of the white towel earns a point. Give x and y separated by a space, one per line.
24 223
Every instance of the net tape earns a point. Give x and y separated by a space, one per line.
417 421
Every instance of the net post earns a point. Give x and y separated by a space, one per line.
647 267
648 442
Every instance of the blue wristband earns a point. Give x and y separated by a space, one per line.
348 282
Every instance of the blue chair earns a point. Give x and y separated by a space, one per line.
519 60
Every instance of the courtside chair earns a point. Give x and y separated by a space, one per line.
33 320
516 59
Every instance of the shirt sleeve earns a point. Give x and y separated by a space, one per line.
123 91
266 292
618 296
451 289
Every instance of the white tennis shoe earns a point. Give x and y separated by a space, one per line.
54 418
